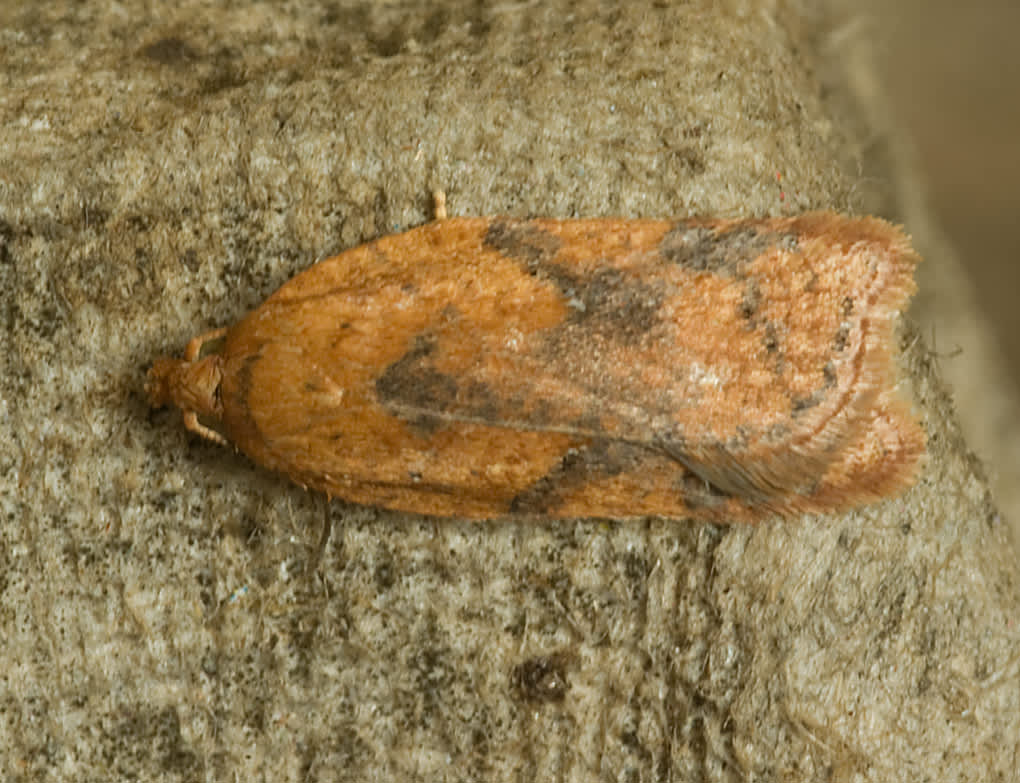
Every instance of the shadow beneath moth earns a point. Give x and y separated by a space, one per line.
488 367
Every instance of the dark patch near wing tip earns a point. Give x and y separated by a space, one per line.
613 304
726 252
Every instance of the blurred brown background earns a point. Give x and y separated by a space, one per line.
953 73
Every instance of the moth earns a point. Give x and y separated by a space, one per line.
727 370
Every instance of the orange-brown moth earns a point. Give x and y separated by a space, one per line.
484 367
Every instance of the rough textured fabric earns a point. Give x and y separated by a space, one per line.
171 611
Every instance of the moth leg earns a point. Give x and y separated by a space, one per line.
439 204
195 345
194 425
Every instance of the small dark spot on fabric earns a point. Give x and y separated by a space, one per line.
542 678
169 51
391 43
384 575
7 232
190 259
771 338
848 306
688 160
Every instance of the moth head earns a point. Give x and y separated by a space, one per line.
192 386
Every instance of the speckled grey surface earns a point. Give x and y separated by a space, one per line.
170 611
